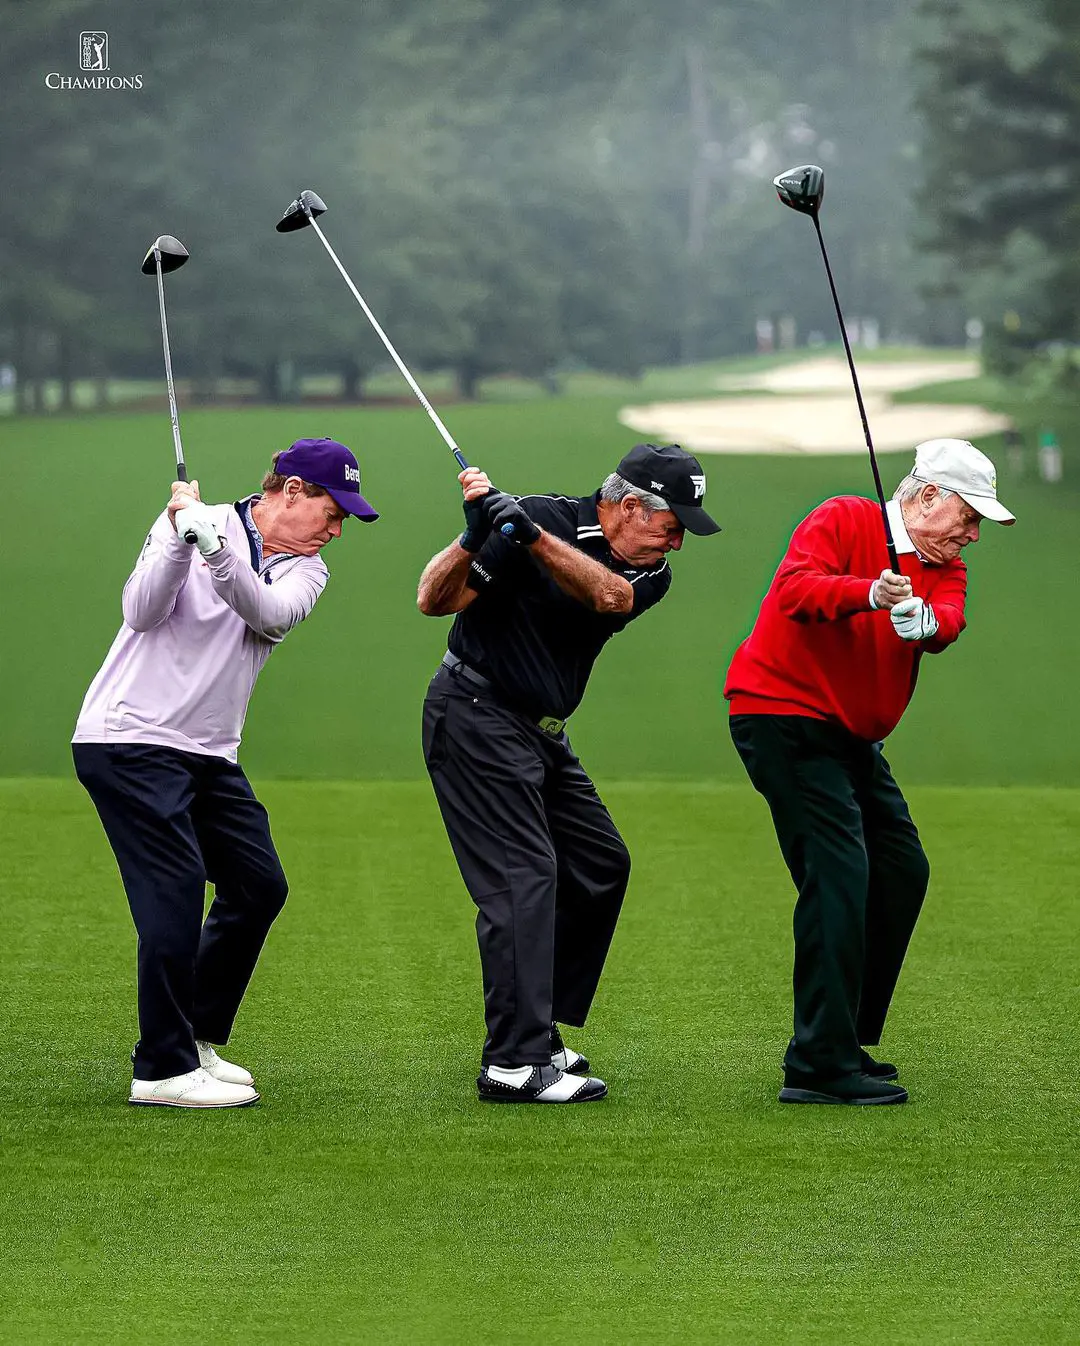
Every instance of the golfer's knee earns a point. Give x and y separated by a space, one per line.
916 871
276 891
618 866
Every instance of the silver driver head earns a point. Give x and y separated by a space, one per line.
172 252
301 212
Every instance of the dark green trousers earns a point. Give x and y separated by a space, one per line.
846 834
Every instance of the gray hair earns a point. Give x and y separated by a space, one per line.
616 488
910 487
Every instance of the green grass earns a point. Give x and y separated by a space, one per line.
341 698
369 1198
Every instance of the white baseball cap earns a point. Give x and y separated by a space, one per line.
961 467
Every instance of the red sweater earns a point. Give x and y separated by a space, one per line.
818 648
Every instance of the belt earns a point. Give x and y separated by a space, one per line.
550 724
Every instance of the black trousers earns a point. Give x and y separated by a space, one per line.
846 834
540 856
176 820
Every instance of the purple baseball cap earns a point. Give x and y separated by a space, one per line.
326 463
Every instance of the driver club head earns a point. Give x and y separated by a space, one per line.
172 251
301 212
801 188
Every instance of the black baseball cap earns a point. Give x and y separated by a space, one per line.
676 477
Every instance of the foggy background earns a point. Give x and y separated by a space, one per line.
529 189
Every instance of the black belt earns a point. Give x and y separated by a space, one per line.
548 723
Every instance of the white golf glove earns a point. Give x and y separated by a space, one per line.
195 523
914 620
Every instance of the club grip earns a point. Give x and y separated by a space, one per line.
190 538
507 530
181 471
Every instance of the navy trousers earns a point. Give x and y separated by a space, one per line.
175 821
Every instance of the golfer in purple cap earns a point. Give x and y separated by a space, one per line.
156 741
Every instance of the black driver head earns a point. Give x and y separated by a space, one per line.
802 188
173 255
301 212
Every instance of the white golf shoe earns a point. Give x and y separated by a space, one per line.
196 1089
225 1071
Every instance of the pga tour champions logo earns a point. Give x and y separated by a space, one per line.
93 51
94 61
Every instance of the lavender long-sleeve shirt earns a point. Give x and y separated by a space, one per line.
196 633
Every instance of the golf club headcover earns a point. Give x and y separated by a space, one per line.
502 510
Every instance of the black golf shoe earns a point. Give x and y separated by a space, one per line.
564 1058
536 1084
877 1070
857 1089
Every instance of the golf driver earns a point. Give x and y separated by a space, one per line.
168 254
302 212
803 189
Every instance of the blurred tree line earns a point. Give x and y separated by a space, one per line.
513 188
999 90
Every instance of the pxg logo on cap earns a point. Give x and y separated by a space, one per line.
326 463
676 477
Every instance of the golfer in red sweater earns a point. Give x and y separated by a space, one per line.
824 676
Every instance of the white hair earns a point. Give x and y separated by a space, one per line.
910 487
616 488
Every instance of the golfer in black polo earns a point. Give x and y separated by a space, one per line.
539 584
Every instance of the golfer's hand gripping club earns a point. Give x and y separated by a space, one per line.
507 515
914 619
889 590
196 526
476 487
184 494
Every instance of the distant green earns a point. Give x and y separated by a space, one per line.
369 1198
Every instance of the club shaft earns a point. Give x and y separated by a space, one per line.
181 469
447 437
889 543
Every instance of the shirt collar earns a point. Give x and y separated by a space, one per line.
901 541
254 537
589 531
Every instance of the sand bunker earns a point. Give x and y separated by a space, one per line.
812 409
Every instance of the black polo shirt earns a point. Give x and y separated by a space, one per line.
535 643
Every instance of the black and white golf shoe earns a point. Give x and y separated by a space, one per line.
563 1058
536 1084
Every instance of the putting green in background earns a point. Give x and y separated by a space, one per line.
369 1198
341 698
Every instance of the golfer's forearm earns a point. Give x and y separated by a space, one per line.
951 622
151 589
442 590
271 611
581 577
808 596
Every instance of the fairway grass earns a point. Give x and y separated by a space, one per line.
341 698
370 1198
